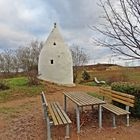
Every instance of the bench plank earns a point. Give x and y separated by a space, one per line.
114 109
64 114
60 113
56 114
123 102
83 99
123 98
75 101
52 115
123 94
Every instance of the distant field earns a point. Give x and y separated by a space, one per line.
111 74
131 75
19 88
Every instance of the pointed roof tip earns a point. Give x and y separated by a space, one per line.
55 25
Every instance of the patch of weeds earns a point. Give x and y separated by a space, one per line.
95 95
4 95
12 112
31 91
7 110
19 88
90 84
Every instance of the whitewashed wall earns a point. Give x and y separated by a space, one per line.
61 71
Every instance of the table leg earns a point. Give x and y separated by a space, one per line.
114 120
78 118
100 116
92 107
65 103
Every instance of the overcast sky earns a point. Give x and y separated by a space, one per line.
24 20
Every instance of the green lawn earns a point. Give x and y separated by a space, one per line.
90 84
95 95
19 88
19 81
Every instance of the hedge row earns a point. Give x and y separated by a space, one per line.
132 89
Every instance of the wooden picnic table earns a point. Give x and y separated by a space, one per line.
82 99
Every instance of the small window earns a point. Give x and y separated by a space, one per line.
54 43
51 61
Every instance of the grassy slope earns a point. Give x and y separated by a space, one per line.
130 74
19 88
95 95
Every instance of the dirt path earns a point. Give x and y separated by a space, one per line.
23 120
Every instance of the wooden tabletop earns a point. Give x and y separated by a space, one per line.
83 99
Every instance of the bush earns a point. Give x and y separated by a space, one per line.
32 77
85 75
129 88
3 85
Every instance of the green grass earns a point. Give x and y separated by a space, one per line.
95 95
19 88
20 81
90 84
94 84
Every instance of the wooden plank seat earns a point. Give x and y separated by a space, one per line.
114 109
123 98
54 115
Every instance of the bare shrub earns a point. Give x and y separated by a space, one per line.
3 85
32 77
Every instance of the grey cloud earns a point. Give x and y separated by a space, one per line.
75 13
25 20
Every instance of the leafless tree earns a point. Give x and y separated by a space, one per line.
1 62
28 56
15 62
121 27
35 48
24 58
79 59
7 59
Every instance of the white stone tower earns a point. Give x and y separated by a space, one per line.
55 60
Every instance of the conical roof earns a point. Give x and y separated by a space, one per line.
55 60
55 35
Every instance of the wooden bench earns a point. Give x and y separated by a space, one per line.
123 98
54 115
